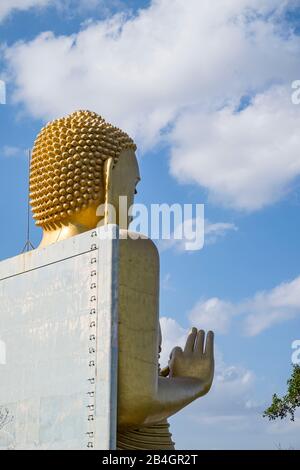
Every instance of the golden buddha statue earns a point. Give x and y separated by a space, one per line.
79 163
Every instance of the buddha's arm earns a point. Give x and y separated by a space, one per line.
143 397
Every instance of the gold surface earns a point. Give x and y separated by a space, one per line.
67 165
157 436
106 168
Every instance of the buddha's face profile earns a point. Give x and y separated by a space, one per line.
79 163
122 180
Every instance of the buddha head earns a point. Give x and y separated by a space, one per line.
79 163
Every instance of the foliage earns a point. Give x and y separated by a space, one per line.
287 405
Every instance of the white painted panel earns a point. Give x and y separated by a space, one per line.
58 345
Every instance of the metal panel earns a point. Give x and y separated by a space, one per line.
58 338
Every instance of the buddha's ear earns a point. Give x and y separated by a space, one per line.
107 177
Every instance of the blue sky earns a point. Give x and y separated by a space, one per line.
174 75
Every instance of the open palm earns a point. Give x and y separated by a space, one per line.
196 360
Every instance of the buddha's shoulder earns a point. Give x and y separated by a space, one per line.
139 244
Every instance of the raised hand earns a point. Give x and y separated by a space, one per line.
196 361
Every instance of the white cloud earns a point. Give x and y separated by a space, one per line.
231 394
214 231
8 6
212 314
193 234
172 56
272 307
246 160
257 314
182 62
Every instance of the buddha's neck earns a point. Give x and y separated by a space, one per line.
62 233
85 220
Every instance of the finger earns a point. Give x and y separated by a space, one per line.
165 372
189 345
199 344
209 347
175 352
